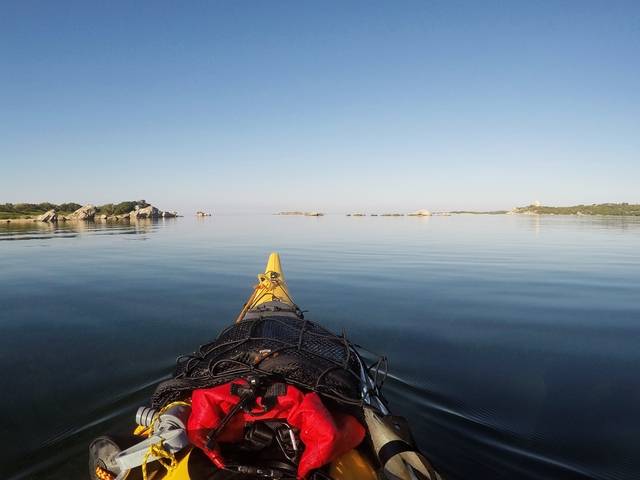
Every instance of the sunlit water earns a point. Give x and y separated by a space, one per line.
514 341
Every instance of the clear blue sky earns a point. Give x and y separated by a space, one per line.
335 106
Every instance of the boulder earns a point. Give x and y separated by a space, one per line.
146 212
88 212
50 216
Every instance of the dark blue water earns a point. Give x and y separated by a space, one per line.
514 341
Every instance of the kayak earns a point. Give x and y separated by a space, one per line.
275 395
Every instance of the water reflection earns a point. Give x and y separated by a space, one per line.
45 230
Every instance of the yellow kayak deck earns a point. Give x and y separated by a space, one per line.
271 287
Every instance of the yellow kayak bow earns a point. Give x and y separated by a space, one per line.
271 287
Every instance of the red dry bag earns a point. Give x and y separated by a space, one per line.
325 435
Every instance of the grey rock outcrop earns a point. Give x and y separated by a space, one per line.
145 212
88 212
150 212
50 216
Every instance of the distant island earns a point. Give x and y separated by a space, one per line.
618 209
474 212
51 212
304 214
140 209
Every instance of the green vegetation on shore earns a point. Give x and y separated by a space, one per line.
594 209
120 208
30 210
27 210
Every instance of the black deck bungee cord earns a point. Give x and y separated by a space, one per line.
315 353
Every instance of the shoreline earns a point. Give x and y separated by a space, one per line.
23 221
142 210
127 220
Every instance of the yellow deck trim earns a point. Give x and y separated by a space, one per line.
271 286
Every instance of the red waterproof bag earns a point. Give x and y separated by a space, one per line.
325 435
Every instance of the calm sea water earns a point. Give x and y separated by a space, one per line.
514 342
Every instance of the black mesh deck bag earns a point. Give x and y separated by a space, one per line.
282 347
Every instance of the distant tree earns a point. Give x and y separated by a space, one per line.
25 207
69 207
121 208
106 209
47 206
124 207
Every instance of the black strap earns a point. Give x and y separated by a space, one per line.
392 449
248 394
269 398
257 436
276 389
246 398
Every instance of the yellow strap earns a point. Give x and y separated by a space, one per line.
164 458
103 474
